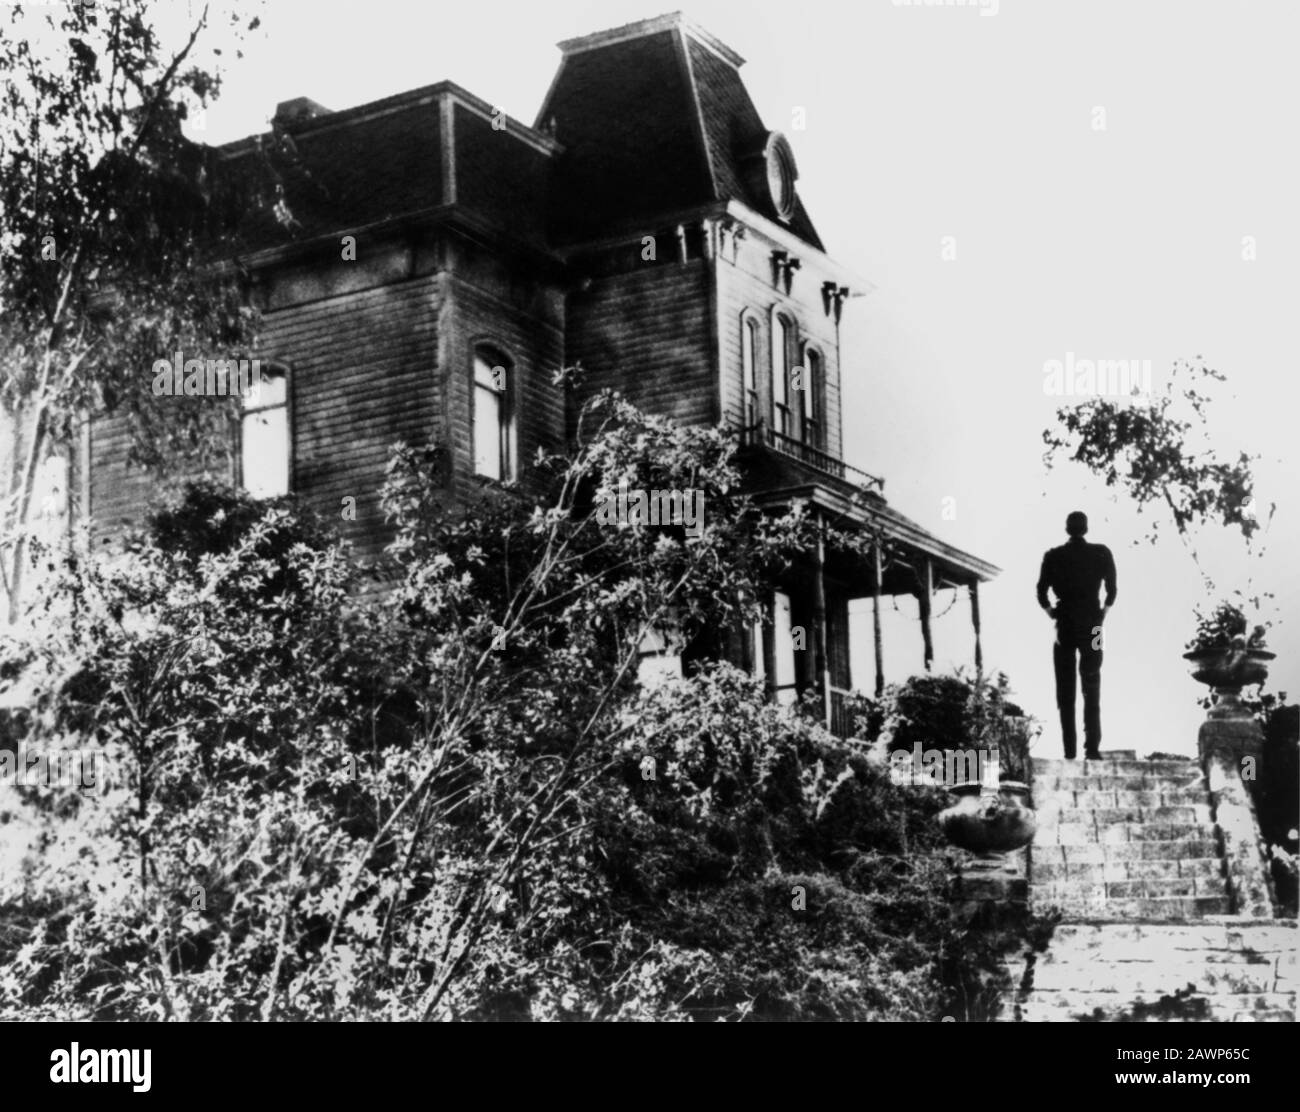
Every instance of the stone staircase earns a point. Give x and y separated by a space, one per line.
1129 852
1125 839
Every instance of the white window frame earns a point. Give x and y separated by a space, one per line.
491 357
814 397
254 403
785 678
749 348
784 331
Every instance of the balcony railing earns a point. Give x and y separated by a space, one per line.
766 436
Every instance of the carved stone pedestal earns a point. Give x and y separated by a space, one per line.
1230 742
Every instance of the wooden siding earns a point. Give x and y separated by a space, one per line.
747 285
648 333
362 369
373 349
122 492
524 322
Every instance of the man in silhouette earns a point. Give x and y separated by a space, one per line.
1075 572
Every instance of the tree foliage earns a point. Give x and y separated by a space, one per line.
1154 449
107 217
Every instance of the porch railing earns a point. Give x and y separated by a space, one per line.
841 713
764 435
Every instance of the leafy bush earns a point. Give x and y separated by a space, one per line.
456 803
1226 627
951 712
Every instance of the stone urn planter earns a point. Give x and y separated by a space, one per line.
989 823
1234 667
1229 728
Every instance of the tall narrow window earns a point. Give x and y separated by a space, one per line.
812 398
780 375
749 361
493 431
783 646
264 436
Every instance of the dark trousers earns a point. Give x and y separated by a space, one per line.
1076 639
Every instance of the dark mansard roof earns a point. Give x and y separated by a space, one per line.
640 122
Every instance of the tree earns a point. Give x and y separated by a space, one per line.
106 214
1148 447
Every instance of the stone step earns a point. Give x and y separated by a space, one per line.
1157 908
1046 766
1200 845
1150 976
1172 944
1114 786
1155 1007
1224 968
1121 781
1099 799
1139 868
1128 888
1107 756
1189 813
1228 933
1083 834
1074 770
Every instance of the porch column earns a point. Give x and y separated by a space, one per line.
875 622
819 622
927 589
975 621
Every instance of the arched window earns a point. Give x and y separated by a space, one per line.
749 364
493 433
782 341
264 442
813 397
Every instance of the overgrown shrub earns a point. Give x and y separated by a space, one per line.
948 713
457 802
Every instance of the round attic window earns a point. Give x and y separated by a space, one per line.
781 174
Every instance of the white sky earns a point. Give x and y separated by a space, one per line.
931 122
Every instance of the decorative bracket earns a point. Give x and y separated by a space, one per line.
783 268
833 296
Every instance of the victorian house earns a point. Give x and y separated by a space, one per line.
430 264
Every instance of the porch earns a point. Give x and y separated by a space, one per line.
890 556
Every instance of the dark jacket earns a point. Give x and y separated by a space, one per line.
1075 572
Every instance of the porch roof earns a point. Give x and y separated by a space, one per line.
855 509
781 471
